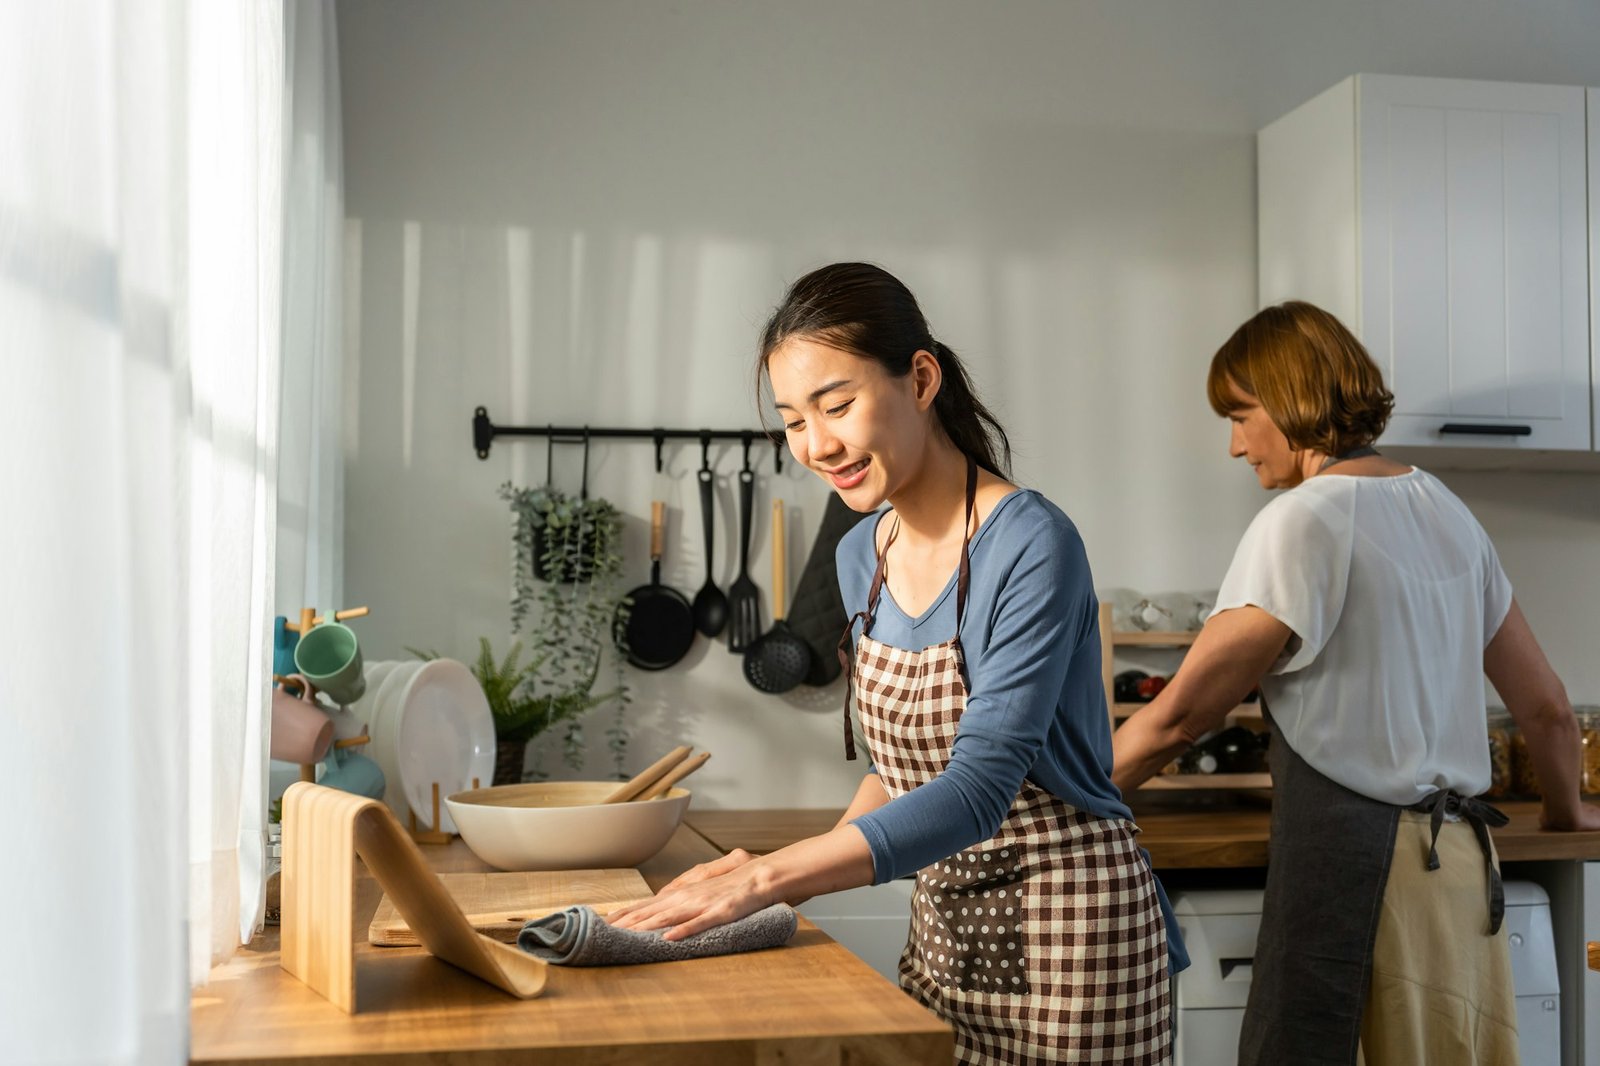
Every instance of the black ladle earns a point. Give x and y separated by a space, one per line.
710 604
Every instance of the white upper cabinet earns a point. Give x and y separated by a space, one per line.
1445 222
1594 259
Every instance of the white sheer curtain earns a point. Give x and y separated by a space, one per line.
140 228
310 549
234 277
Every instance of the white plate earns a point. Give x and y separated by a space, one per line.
444 735
385 730
375 674
366 708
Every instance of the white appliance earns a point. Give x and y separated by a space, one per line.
1220 926
871 923
1590 984
1533 971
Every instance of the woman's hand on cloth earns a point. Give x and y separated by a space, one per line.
739 884
708 870
686 907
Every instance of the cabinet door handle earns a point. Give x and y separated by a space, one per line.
1486 431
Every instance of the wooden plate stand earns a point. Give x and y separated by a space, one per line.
323 832
434 835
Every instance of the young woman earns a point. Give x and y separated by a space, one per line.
1038 929
1368 603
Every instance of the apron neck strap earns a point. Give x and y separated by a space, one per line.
880 575
964 574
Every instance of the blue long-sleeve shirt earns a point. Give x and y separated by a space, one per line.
1036 705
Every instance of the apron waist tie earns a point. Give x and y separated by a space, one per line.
1480 815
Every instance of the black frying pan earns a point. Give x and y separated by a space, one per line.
658 627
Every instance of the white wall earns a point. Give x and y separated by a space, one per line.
582 212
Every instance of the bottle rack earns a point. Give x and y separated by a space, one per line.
1110 640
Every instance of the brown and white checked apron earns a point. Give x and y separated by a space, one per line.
1044 943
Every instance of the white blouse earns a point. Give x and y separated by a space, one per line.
1392 590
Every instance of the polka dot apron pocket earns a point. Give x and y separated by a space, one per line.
968 922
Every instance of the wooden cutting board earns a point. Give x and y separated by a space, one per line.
500 904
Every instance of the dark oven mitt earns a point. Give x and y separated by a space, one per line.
578 936
817 611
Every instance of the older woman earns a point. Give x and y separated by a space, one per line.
1368 604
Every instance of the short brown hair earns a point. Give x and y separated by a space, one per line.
1314 379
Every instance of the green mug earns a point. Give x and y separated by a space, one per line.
329 656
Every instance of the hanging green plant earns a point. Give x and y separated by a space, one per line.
578 541
559 538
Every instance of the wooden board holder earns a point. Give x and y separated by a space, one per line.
323 832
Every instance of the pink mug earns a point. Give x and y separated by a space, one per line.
301 731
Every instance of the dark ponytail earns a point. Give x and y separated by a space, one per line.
865 310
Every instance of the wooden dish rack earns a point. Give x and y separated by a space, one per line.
1248 714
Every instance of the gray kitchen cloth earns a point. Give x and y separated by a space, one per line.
578 936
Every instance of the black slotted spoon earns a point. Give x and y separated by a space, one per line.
744 598
710 605
780 660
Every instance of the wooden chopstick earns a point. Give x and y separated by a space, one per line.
635 786
661 788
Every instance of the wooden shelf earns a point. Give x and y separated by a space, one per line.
1208 781
1153 638
1119 711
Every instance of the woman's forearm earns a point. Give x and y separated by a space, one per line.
1555 746
869 797
1228 658
832 862
1539 705
1147 741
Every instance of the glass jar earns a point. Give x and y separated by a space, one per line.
1500 778
1589 732
274 874
1523 780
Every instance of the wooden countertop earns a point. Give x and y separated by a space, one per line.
1176 839
811 1001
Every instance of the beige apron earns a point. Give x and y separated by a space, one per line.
1044 943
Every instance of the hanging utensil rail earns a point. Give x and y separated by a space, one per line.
484 432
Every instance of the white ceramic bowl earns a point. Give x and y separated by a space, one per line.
562 825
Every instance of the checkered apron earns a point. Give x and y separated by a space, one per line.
1044 943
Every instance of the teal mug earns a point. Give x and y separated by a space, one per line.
329 656
350 771
283 641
